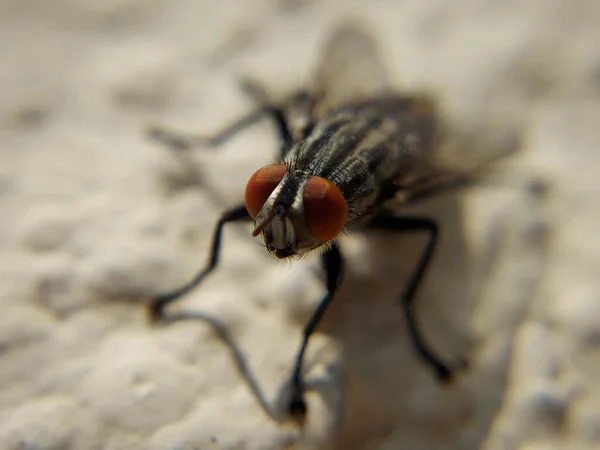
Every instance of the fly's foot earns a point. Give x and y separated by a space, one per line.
157 305
156 310
297 406
445 374
168 138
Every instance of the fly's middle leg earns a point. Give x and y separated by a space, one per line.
158 304
183 141
405 224
333 264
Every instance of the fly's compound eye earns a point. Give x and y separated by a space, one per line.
325 209
261 185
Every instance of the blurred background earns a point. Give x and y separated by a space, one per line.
96 218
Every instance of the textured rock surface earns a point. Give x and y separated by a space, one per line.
94 218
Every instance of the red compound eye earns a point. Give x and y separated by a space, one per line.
260 186
325 209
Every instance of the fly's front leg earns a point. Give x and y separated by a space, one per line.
158 304
406 224
333 265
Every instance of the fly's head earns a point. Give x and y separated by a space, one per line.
295 212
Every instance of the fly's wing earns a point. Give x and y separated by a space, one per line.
350 69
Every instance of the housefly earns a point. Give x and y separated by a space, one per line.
351 148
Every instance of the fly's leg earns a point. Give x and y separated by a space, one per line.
178 141
276 112
406 224
333 265
158 304
181 141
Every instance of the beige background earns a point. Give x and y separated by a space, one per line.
95 218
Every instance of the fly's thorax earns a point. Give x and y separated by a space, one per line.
300 213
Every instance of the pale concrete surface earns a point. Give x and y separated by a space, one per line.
94 218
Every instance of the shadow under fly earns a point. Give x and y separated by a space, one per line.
352 151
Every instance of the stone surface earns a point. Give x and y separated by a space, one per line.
95 218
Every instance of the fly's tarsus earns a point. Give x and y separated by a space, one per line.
158 304
333 265
443 372
297 407
170 139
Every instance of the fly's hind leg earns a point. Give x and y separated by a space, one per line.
442 371
158 304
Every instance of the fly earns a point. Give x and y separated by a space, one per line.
351 146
